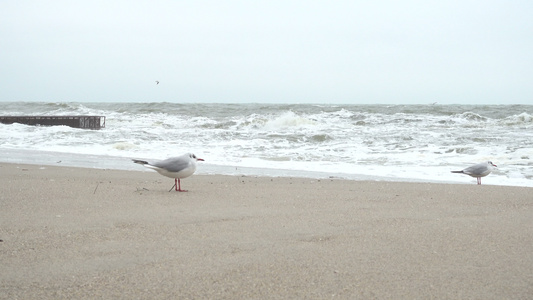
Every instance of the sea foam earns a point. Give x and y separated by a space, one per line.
413 142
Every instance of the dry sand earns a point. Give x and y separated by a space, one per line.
73 233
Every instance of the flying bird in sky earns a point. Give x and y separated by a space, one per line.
156 82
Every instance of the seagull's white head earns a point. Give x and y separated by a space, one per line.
192 156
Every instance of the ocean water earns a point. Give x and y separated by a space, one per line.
360 142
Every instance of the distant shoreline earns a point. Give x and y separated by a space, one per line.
413 143
57 159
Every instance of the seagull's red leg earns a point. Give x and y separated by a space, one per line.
179 185
479 180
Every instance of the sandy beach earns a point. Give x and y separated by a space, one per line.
74 233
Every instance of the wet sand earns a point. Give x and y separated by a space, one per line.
74 233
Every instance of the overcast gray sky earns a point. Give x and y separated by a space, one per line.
403 52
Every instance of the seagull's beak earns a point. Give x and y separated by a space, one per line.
492 165
200 159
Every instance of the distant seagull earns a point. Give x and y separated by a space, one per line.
174 167
156 82
480 170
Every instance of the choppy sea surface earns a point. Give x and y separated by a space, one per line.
360 142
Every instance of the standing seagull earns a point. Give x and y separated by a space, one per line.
174 167
480 170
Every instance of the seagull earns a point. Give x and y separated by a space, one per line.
156 82
174 167
480 170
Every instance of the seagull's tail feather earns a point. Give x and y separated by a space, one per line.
138 161
457 172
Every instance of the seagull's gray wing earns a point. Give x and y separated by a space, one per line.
480 169
173 164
